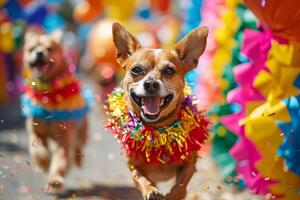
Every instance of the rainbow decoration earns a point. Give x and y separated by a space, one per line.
175 143
61 99
258 69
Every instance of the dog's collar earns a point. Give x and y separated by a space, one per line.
60 99
174 143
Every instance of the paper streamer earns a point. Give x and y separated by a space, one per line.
255 46
227 79
260 123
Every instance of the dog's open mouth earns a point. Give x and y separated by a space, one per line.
42 67
151 106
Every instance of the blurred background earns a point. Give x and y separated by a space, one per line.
248 81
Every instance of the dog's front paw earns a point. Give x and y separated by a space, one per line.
155 195
55 184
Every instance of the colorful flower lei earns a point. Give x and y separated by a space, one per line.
175 143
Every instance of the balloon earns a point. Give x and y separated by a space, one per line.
2 2
14 9
282 17
144 32
87 11
3 92
167 29
100 44
192 17
36 14
54 21
161 6
18 32
117 9
24 3
144 12
7 43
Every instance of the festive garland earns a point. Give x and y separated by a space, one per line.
61 99
175 143
267 125
255 46
228 40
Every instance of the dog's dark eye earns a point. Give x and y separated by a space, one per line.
49 49
137 71
168 71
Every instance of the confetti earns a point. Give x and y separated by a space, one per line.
24 189
110 156
17 159
271 114
206 187
28 163
97 136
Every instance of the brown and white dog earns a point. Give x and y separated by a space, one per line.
154 83
54 144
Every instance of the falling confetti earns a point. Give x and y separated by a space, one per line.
97 136
24 189
271 114
17 159
28 163
110 156
206 187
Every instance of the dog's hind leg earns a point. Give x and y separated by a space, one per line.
81 140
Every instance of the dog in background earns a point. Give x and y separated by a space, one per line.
154 91
54 106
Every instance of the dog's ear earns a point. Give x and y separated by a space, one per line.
57 35
191 47
125 43
31 32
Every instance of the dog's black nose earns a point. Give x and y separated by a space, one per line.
151 85
39 55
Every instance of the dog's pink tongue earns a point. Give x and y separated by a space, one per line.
151 105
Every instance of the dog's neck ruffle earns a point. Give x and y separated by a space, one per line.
60 99
175 143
